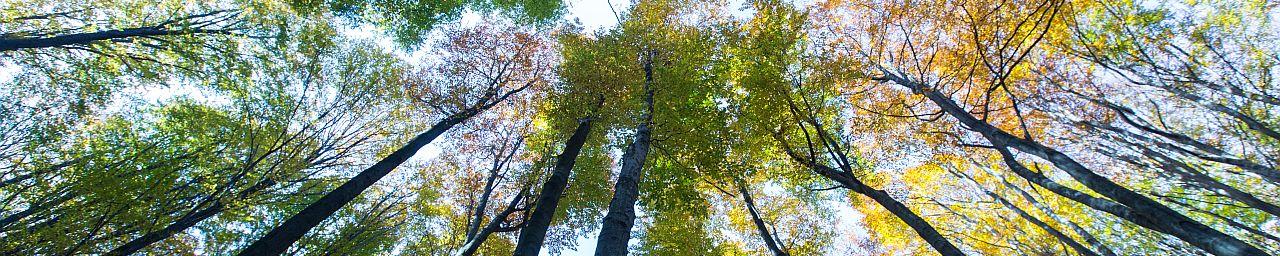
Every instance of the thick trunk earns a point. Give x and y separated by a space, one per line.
1206 151
769 241
1192 175
535 228
615 230
845 177
283 236
1157 216
159 235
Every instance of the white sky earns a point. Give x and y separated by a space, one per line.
594 15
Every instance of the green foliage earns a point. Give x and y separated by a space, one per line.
114 139
409 22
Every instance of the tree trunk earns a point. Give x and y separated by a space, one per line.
477 239
615 230
159 235
473 226
535 228
283 236
33 209
14 44
769 240
1158 216
182 224
1192 175
922 227
1205 151
1079 248
1088 237
845 177
187 25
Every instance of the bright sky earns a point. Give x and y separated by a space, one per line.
594 15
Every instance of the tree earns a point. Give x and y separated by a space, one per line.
489 127
519 63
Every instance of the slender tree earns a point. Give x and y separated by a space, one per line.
503 68
615 230
535 229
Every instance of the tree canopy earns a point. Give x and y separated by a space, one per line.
761 127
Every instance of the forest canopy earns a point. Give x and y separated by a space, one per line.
639 127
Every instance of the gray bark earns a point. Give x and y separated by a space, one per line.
770 242
1152 214
615 230
535 229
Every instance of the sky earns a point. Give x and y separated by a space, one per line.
594 15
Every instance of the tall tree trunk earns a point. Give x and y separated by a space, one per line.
1202 150
1079 248
615 230
535 228
1158 216
845 177
178 226
770 241
1088 237
283 236
186 27
182 224
499 161
1192 175
477 239
33 209
913 220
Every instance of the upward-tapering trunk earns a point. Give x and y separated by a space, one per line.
1062 237
770 241
475 240
83 38
478 211
186 25
1088 237
913 220
1192 175
615 230
185 222
283 236
844 176
1158 216
535 228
